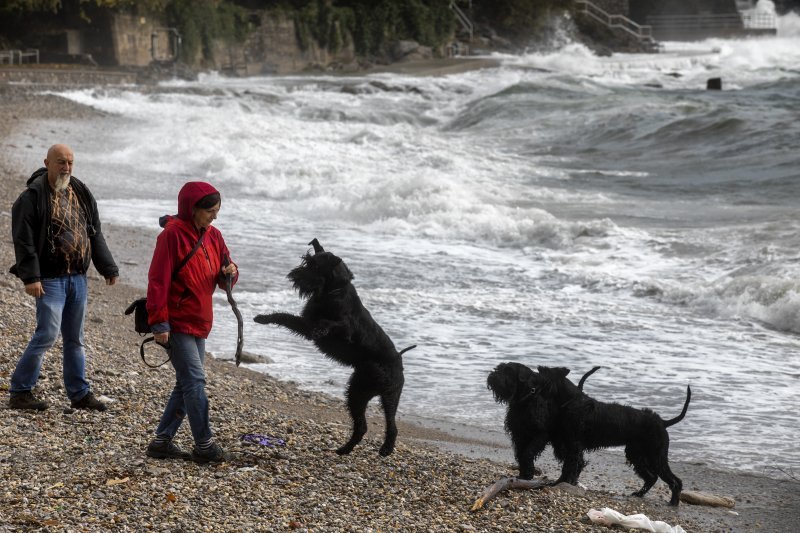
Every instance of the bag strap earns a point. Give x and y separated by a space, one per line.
141 352
189 255
174 273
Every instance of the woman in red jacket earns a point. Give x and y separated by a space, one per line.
180 315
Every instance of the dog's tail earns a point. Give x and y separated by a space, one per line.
668 423
404 350
586 375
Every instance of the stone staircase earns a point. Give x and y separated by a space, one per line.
462 18
618 23
461 48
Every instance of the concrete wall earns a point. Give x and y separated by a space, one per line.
131 39
273 49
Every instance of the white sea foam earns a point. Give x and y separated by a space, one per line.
743 62
789 25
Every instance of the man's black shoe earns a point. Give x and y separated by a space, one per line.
213 454
26 400
166 450
89 402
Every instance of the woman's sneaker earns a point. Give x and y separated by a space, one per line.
210 454
166 450
89 402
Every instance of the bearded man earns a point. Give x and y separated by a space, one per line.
55 226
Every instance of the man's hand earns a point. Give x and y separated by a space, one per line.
34 289
229 270
112 281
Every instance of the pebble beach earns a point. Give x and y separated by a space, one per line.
67 470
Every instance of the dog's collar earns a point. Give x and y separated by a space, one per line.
530 393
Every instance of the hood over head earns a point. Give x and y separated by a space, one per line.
191 193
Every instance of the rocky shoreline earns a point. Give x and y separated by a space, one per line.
84 471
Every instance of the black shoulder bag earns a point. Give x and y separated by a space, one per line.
139 308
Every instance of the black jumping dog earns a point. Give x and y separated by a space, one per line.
545 407
339 325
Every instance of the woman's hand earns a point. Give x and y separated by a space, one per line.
229 270
162 338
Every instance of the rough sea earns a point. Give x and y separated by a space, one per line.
562 209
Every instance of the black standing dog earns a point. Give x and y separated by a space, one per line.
512 384
550 408
341 328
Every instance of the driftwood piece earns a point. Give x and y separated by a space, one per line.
695 497
506 483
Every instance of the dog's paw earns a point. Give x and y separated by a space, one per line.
386 450
344 450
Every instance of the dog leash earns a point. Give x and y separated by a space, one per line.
232 302
131 308
141 352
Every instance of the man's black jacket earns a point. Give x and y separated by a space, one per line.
31 232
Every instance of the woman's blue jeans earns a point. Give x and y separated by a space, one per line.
61 308
188 398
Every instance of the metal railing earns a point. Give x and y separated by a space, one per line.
456 49
168 52
462 17
32 53
731 20
672 27
621 22
17 56
759 20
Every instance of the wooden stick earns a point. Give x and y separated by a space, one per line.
506 483
703 498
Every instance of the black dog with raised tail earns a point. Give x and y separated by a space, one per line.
526 419
545 407
338 324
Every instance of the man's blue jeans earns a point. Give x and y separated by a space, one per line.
188 398
62 307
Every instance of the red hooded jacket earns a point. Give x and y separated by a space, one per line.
183 304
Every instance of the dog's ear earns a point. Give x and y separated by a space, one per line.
528 382
552 378
553 372
317 246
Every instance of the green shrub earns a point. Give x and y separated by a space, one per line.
200 22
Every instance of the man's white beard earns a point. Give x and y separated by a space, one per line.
62 182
